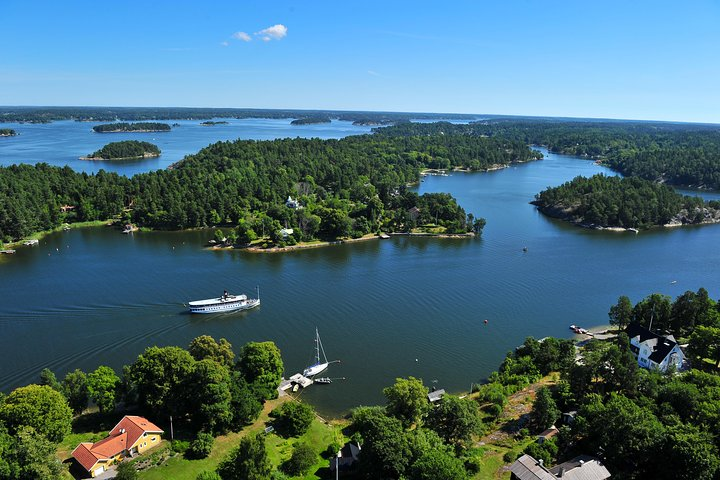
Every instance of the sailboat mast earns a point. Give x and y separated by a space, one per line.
317 346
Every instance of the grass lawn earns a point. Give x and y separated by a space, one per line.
319 436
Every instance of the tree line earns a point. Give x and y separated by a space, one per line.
629 202
347 187
126 149
7 132
132 127
49 114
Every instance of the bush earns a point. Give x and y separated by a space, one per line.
180 446
473 465
509 457
332 450
201 446
126 471
301 461
208 476
293 419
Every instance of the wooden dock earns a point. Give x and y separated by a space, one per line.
7 252
296 379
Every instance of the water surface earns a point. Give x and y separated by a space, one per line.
387 309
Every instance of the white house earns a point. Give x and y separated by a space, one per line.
292 203
653 350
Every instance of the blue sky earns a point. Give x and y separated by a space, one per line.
609 59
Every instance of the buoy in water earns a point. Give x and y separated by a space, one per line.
485 321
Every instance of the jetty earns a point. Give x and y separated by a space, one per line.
296 380
7 252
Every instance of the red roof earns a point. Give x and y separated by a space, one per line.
122 437
135 427
85 456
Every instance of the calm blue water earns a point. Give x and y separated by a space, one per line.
63 143
387 308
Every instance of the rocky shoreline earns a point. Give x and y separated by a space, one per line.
683 218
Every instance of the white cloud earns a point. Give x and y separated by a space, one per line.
242 36
276 32
224 44
373 73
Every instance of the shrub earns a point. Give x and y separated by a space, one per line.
293 419
201 446
332 450
509 457
302 459
208 476
126 471
180 446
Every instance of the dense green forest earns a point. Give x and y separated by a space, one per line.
624 202
310 120
210 123
346 187
100 114
673 153
126 149
7 132
132 127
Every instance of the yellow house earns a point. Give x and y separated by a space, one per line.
131 436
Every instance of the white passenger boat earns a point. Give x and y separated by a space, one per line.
225 303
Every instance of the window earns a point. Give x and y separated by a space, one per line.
153 439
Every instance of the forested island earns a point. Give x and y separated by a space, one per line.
132 127
603 201
210 123
341 188
7 132
125 150
310 120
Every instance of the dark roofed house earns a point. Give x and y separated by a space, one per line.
349 454
583 467
527 468
654 351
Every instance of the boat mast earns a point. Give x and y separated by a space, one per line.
320 348
317 347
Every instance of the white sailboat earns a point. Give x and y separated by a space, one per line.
318 366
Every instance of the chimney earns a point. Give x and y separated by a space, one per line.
540 462
561 472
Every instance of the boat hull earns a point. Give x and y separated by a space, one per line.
315 369
227 306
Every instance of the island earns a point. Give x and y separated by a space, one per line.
7 132
632 203
210 123
126 150
310 120
141 127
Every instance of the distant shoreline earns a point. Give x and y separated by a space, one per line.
305 246
139 157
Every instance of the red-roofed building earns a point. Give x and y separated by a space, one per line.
131 436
